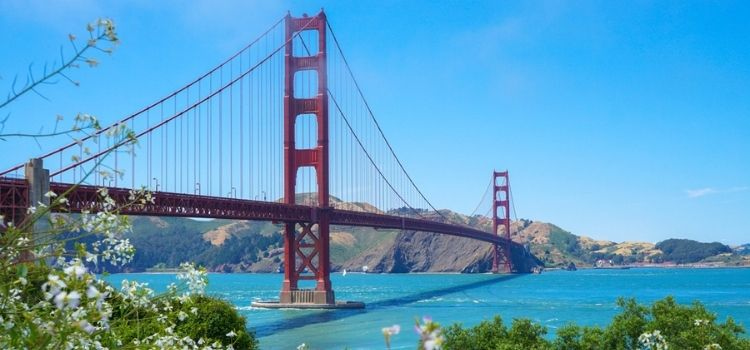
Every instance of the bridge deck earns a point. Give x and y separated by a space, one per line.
85 197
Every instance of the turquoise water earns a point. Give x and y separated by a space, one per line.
553 299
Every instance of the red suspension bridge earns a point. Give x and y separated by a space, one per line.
211 150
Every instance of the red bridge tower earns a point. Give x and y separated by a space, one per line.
501 200
306 250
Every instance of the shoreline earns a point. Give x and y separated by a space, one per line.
549 269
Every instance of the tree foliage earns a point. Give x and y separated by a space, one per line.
684 251
664 324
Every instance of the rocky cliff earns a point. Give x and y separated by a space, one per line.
430 252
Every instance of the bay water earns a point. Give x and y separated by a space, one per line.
553 299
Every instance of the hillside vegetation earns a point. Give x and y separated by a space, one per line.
253 246
682 251
558 248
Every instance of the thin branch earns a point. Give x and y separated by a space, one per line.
34 83
40 135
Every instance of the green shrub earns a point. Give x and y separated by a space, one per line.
213 319
664 323
523 334
197 317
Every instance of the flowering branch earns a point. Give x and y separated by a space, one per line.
105 31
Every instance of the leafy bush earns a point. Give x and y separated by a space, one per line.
523 334
202 318
213 319
664 324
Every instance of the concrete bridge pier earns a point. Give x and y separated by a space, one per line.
37 179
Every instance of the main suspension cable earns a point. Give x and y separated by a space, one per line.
372 116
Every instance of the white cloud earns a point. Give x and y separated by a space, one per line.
701 192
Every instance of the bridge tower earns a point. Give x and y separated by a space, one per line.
306 244
501 200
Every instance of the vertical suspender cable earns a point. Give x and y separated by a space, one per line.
220 170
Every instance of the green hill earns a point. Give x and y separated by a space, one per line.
683 251
558 248
254 246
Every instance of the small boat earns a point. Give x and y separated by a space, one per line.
343 273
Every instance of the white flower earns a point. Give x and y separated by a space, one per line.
429 334
713 346
53 286
231 334
388 332
73 299
182 316
91 258
196 279
92 292
86 326
194 310
50 194
137 293
432 344
59 299
653 341
700 322
75 270
392 330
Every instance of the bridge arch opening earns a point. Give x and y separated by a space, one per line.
306 131
500 213
306 84
305 43
500 196
307 186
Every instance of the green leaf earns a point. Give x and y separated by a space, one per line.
22 270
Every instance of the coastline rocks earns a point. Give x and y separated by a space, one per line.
431 252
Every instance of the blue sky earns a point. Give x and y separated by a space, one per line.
617 120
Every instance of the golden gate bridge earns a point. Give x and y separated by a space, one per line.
211 149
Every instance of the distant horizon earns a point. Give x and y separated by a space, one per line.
616 121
